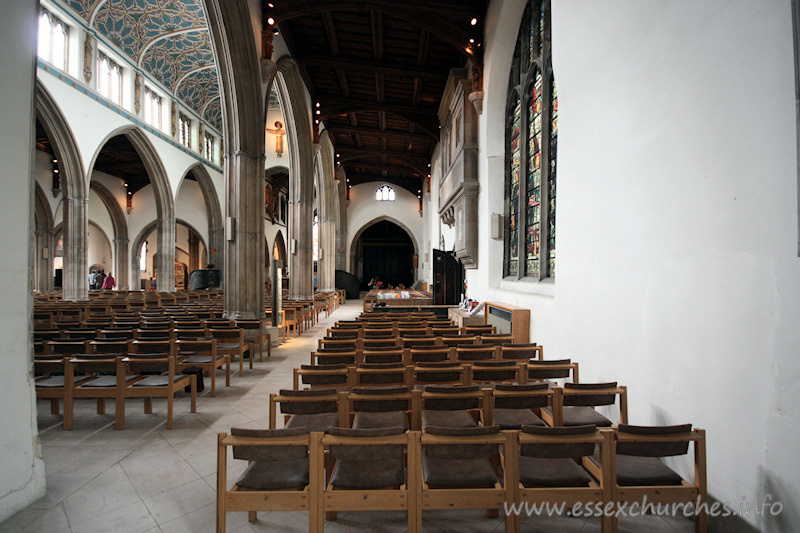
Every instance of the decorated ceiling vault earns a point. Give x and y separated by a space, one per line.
167 39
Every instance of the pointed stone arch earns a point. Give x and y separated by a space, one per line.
76 195
136 254
216 231
45 241
165 204
280 246
120 225
357 236
326 192
297 115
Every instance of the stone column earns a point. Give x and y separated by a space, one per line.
165 241
326 276
45 240
121 264
244 248
301 266
76 231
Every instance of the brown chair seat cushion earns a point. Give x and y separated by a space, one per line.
372 420
515 418
368 474
632 470
198 359
106 382
582 416
458 473
314 421
539 472
56 382
449 419
275 475
158 381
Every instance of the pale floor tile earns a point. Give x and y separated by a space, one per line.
133 518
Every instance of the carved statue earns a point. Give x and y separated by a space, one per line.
278 132
87 58
137 92
174 118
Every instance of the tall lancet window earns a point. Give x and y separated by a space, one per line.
531 132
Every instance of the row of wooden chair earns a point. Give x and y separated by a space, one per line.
401 329
457 468
342 375
412 341
394 353
507 405
112 376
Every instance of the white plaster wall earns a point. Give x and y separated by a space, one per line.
677 269
363 209
99 249
190 207
22 477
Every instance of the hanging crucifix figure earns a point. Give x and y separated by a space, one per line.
279 132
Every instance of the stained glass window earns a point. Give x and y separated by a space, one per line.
531 131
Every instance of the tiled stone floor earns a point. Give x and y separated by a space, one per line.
150 479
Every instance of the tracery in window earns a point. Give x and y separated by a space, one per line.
152 108
53 40
531 131
208 146
385 194
184 130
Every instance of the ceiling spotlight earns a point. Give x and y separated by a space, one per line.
271 5
473 21
316 121
55 171
319 112
270 21
275 32
317 104
125 184
55 160
472 41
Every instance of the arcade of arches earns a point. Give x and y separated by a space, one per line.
625 170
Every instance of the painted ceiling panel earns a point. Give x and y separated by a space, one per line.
168 39
213 114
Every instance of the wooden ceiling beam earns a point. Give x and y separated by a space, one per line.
290 10
380 133
379 87
343 85
376 19
355 65
330 30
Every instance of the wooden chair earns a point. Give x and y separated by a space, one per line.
450 406
382 374
285 473
458 340
230 341
552 466
573 405
636 471
109 346
552 369
368 344
496 339
417 341
254 334
334 357
314 409
161 381
48 371
66 347
494 372
444 330
338 376
109 383
438 373
479 330
388 354
476 352
203 355
368 472
143 345
382 407
461 469
427 354
521 351
327 342
292 321
513 406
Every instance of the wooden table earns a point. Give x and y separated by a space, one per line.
396 297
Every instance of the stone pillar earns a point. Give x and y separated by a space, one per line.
326 276
165 264
216 239
194 253
244 248
76 231
121 264
45 240
301 265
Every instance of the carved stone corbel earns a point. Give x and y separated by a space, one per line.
87 58
137 93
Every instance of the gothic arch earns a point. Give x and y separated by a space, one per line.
216 231
354 240
120 225
76 196
299 136
280 245
165 204
136 253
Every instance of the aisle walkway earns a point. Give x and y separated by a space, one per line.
150 479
